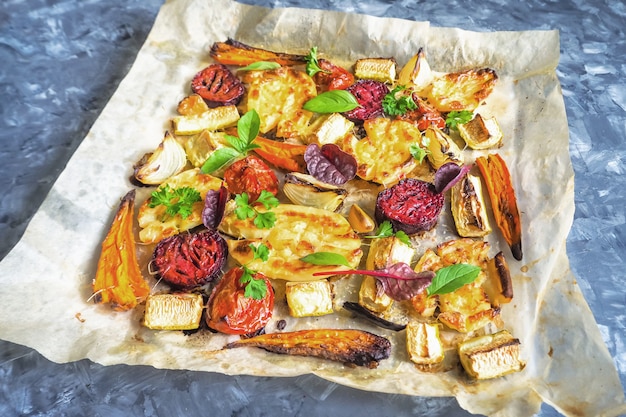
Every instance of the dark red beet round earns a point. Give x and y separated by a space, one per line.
411 205
190 260
370 95
218 86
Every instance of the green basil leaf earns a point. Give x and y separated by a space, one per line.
219 158
333 101
260 66
452 277
248 126
326 258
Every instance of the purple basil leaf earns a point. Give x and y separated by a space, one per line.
214 205
402 282
330 164
449 174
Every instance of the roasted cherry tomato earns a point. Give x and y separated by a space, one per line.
424 115
230 311
250 175
332 77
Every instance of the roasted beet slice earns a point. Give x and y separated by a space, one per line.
190 260
370 95
411 205
217 86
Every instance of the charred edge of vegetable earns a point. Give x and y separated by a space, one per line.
499 261
373 318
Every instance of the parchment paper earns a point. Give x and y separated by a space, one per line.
46 279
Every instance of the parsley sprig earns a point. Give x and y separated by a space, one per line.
386 230
176 200
247 130
395 104
246 210
255 287
455 118
418 152
312 63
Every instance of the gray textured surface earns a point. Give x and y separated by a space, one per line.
61 60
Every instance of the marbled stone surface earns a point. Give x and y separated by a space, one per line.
60 61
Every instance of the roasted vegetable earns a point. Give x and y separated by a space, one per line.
491 356
391 138
412 206
503 201
278 96
313 298
305 190
468 208
372 317
218 86
167 160
416 73
463 90
173 311
250 175
156 223
481 133
189 260
230 311
284 155
298 231
329 128
360 221
118 278
424 345
441 147
212 119
354 347
378 69
370 95
332 77
498 285
233 52
383 252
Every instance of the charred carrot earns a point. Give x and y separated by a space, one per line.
233 52
356 347
504 204
118 278
288 156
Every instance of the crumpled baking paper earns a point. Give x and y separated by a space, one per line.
46 279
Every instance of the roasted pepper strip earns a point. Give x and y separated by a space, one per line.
288 156
118 278
504 204
233 52
356 347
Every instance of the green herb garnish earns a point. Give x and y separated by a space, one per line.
245 209
255 287
397 105
247 130
260 66
452 277
312 63
333 101
455 118
418 152
386 230
326 258
176 200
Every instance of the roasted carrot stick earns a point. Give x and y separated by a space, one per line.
118 278
356 347
503 202
233 52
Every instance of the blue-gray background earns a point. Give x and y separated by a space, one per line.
61 60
